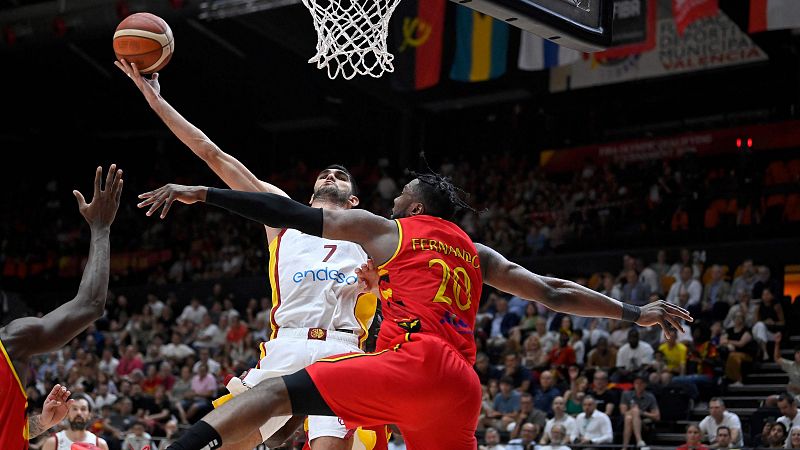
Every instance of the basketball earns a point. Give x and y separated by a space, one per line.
145 40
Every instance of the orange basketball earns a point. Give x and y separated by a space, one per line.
146 40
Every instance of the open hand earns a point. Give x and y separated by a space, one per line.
105 202
150 88
165 195
665 314
55 407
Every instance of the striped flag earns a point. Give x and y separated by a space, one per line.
417 29
536 53
774 15
481 46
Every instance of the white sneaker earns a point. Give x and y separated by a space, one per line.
736 384
642 446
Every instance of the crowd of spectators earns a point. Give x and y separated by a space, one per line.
154 364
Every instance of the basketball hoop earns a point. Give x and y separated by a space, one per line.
351 36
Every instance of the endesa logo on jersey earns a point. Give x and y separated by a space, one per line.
324 274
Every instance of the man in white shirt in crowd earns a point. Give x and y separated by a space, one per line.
635 355
557 434
724 439
206 334
791 367
718 417
205 359
788 407
594 427
193 312
562 419
492 439
526 439
176 350
108 364
686 291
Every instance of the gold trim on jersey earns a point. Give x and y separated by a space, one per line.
364 311
399 243
14 371
274 283
353 355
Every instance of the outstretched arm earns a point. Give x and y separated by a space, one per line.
568 297
31 335
378 236
229 169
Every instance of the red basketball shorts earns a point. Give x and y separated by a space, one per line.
420 383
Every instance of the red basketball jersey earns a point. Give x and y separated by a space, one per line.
432 284
13 421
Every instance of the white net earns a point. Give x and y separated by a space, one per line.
351 36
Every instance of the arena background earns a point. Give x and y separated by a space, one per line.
689 141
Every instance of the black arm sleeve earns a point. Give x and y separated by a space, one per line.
272 210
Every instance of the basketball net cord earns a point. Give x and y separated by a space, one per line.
351 36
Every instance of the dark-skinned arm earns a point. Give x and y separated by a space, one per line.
567 297
377 235
31 335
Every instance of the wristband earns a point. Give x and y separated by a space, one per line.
631 313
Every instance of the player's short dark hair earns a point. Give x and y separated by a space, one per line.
354 189
89 401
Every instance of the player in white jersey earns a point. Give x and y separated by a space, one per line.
80 412
317 310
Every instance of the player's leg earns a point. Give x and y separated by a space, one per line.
327 433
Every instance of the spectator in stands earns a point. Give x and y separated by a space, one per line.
562 419
172 435
675 356
634 291
483 368
506 404
502 322
739 343
108 363
527 414
723 440
557 439
744 306
547 391
578 384
492 439
639 408
777 436
594 427
648 277
762 439
205 359
547 339
204 387
513 369
633 356
619 333
602 356
716 295
533 356
692 439
769 320
527 437
702 358
610 287
576 342
787 404
686 291
764 281
138 439
719 416
176 350
207 331
130 361
792 368
607 400
747 278
685 260
794 438
562 355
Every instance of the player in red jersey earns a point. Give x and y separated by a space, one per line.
431 273
28 336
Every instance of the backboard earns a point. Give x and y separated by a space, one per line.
584 25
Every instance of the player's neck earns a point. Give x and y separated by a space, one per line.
325 204
76 435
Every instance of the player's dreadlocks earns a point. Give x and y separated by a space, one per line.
441 197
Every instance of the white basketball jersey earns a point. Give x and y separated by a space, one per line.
314 284
64 443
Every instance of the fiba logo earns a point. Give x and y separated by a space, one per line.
324 274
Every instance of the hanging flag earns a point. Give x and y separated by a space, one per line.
687 12
417 29
481 46
536 53
773 15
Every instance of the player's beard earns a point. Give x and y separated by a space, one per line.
330 193
78 424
